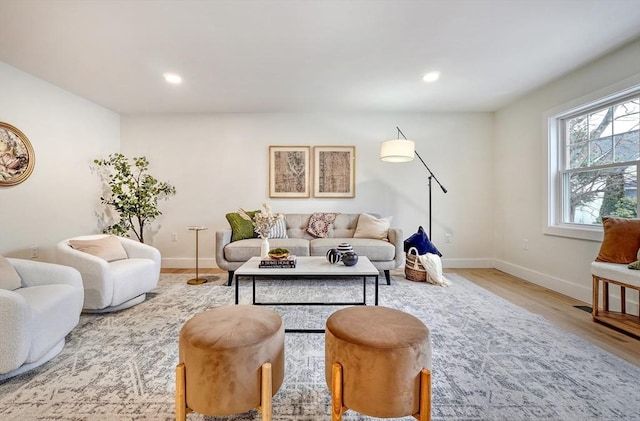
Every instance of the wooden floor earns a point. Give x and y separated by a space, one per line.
556 308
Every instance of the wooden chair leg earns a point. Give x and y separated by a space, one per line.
623 300
181 403
605 295
596 299
337 408
424 408
266 392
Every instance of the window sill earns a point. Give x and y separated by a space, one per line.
577 232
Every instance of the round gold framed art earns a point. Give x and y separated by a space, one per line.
17 158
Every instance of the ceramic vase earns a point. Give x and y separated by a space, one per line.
264 248
349 258
344 247
333 256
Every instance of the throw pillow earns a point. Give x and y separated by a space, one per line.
107 248
240 227
9 278
420 240
635 265
621 240
371 227
279 230
320 224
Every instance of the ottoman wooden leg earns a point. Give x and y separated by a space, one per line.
337 407
266 392
181 401
424 412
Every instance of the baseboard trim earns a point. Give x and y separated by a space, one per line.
188 262
482 263
570 289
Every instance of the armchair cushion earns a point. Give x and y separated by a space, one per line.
108 248
9 278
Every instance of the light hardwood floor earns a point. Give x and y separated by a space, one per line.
557 308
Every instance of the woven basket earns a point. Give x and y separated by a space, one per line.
413 269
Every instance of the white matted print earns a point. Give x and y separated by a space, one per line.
334 171
289 171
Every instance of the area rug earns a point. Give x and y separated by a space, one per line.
491 359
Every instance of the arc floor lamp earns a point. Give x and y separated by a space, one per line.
403 150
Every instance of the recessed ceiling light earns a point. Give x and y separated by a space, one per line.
431 76
172 78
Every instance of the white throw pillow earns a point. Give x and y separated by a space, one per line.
279 230
9 278
107 248
371 227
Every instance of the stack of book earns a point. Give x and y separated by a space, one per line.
288 262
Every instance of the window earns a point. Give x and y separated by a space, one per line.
594 155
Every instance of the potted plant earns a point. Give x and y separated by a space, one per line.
133 194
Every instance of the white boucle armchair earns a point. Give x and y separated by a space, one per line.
36 317
117 284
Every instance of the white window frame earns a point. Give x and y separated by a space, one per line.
554 153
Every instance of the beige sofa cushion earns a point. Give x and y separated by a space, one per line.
375 250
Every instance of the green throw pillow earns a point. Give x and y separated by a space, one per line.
635 265
240 227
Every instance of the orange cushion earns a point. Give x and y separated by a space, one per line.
621 240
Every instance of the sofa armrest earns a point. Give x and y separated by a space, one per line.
34 273
222 239
395 238
15 333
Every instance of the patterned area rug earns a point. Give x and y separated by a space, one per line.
491 359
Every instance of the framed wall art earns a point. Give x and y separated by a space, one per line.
17 159
289 171
334 171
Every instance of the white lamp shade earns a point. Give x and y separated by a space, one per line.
397 150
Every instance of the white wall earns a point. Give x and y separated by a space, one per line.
67 132
559 263
219 163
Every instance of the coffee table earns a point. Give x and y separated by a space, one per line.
309 268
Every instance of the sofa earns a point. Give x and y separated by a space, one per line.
40 303
385 254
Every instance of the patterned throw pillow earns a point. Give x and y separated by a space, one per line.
279 230
320 224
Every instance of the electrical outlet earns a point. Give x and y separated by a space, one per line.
34 252
447 238
174 237
525 244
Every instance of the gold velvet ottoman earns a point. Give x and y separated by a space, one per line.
378 363
231 360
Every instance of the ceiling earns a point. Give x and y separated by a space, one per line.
308 55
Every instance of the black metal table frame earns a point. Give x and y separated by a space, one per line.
308 303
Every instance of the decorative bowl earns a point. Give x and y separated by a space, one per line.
278 253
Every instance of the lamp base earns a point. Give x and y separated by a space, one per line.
196 281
